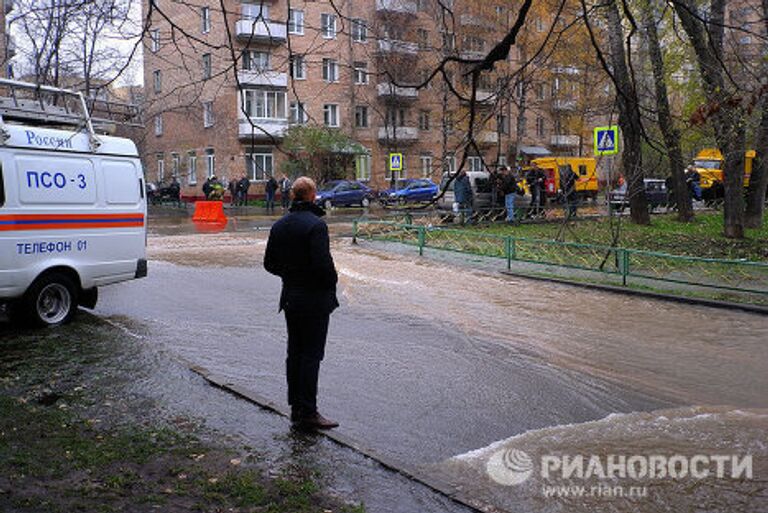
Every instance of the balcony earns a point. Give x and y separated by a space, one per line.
487 138
473 55
262 78
261 32
395 46
564 105
468 20
402 6
483 97
8 4
566 70
265 129
565 141
389 91
402 134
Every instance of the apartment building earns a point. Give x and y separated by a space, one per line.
222 87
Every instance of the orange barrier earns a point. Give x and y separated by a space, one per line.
209 212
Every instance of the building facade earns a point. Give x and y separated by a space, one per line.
223 87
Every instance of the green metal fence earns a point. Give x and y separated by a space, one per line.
621 263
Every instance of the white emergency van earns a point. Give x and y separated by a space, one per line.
72 213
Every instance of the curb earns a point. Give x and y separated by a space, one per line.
714 303
435 484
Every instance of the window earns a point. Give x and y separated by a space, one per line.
264 104
449 122
539 24
259 163
154 40
540 127
298 113
205 15
296 21
502 124
363 167
395 117
255 11
328 25
361 72
359 30
157 80
175 164
502 162
191 168
449 41
500 13
210 162
330 70
423 38
450 164
424 120
160 167
298 68
207 114
254 60
361 116
540 91
331 114
426 166
474 163
159 125
207 71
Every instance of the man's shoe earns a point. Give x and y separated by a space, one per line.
317 421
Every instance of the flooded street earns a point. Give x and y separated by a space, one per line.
440 366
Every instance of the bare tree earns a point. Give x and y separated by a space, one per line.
663 111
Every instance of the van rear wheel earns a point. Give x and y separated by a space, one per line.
50 301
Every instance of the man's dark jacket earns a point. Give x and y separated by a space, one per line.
299 252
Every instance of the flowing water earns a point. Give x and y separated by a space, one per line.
715 360
709 366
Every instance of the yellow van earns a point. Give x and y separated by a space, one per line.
583 167
709 164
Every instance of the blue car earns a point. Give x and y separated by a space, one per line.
413 190
344 193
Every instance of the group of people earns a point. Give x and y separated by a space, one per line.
271 188
505 186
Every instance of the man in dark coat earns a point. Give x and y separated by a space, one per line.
270 188
298 251
242 190
462 193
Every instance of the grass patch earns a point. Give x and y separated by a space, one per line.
55 457
702 237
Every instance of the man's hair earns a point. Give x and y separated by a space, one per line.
302 188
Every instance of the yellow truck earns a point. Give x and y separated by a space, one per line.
709 164
583 167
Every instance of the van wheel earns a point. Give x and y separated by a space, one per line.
365 202
328 205
50 301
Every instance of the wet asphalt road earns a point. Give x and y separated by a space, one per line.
416 390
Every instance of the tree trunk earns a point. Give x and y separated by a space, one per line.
707 43
666 124
758 182
629 118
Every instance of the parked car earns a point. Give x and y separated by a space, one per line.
655 194
411 190
344 193
481 190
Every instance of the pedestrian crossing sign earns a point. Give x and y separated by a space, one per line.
395 161
606 140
